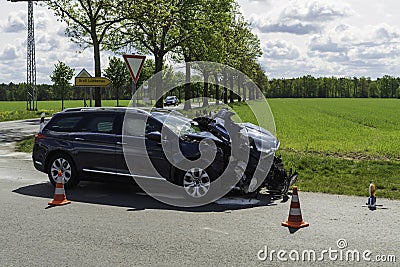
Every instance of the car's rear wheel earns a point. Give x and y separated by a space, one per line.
63 163
197 183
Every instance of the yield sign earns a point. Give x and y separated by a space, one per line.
135 64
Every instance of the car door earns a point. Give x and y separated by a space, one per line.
95 142
138 155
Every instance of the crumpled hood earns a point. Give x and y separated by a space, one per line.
264 140
203 135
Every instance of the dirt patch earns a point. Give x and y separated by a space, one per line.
347 155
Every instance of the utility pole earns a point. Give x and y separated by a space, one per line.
31 90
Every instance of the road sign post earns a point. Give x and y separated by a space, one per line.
84 79
134 97
85 74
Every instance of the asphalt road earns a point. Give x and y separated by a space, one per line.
119 225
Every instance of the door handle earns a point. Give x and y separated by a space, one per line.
79 139
121 143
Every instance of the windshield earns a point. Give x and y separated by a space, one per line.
181 126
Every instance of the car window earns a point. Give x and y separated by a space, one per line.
134 126
178 125
64 123
99 123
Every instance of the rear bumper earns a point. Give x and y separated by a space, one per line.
38 165
38 158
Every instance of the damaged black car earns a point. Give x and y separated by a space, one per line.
118 144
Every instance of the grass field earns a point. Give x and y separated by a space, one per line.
349 127
16 110
337 145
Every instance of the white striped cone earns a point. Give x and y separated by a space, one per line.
59 193
295 219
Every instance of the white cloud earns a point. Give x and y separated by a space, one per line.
9 53
16 22
47 42
42 20
294 27
385 32
370 42
280 50
312 11
369 51
301 18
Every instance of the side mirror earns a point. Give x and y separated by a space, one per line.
154 136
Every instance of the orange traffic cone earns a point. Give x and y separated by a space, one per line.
59 194
295 219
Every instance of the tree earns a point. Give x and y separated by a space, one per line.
118 74
243 48
154 27
89 23
61 77
207 42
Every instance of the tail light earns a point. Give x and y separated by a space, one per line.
39 136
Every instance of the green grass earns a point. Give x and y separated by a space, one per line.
368 127
25 145
333 175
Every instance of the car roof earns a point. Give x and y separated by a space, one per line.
105 109
142 110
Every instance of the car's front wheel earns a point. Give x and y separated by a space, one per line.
196 183
63 163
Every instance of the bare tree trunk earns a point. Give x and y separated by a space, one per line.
225 87
251 92
206 75
244 92
232 93
257 93
216 87
238 85
117 96
97 71
188 92
159 86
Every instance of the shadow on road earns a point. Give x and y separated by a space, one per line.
134 199
11 135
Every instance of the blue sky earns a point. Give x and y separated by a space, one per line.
308 37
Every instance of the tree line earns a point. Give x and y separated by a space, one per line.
301 87
334 87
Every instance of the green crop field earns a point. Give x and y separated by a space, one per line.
54 105
337 145
347 127
16 110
